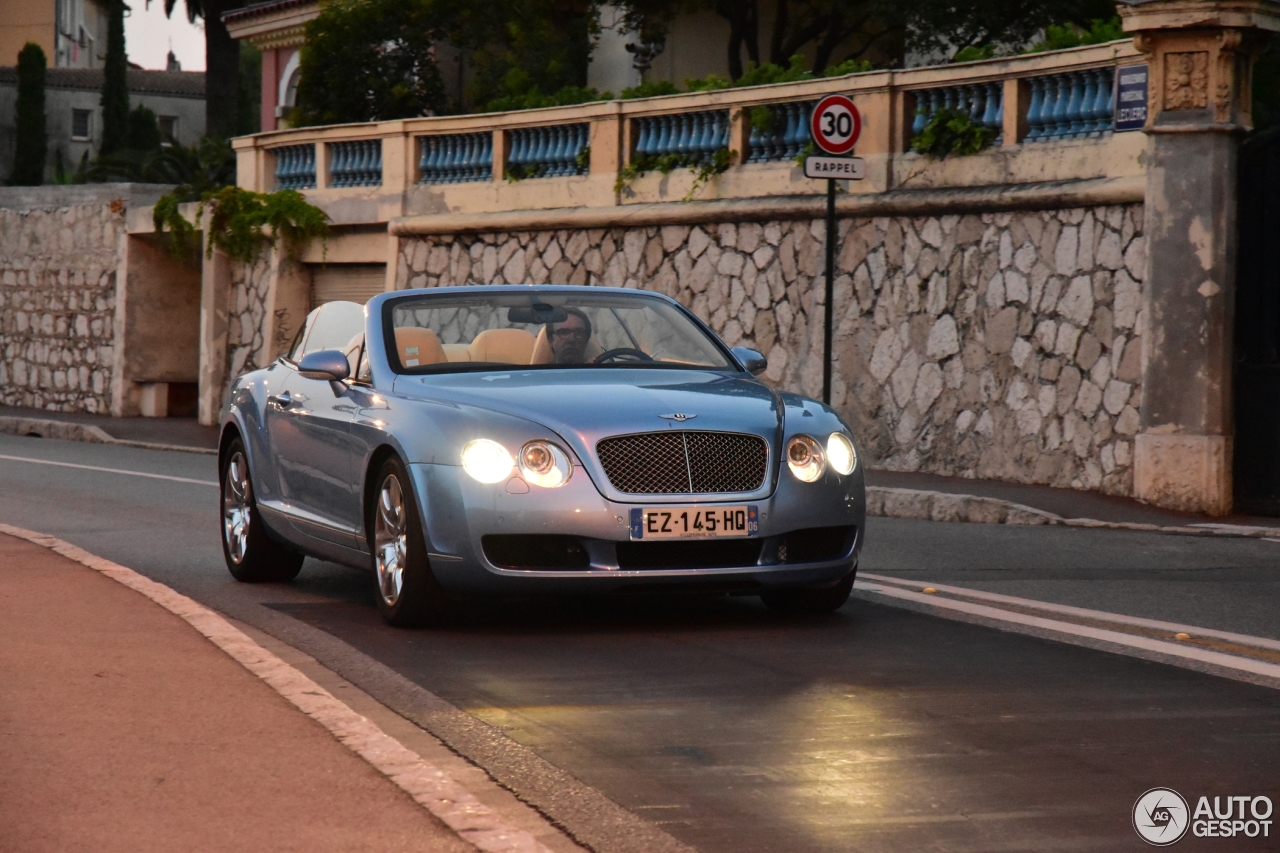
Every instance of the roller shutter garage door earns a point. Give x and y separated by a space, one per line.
346 282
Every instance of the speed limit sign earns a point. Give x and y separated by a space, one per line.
836 124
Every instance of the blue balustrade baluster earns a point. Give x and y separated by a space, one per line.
1102 102
577 141
1089 81
680 134
796 134
991 98
338 167
423 164
644 136
516 152
755 145
1075 99
719 131
1035 108
1051 108
359 165
706 134
282 165
1061 104
661 136
486 157
977 95
922 114
457 158
554 155
475 158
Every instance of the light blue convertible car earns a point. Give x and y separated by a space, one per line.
530 439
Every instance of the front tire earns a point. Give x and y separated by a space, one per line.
407 591
811 602
251 554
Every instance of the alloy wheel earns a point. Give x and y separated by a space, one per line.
391 540
237 497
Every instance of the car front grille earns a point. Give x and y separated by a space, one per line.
684 463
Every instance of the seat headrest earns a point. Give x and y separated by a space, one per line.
418 347
457 352
505 346
352 351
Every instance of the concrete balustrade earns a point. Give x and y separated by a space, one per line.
483 163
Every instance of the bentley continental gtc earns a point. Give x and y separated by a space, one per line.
518 440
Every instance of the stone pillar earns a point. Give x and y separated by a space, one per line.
215 308
1200 54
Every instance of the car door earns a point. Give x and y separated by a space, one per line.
309 424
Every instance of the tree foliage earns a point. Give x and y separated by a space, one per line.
371 60
32 140
115 83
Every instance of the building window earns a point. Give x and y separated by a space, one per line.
82 125
168 128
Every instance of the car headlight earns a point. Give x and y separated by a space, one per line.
840 453
544 464
805 458
487 461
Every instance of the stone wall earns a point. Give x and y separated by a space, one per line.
997 345
246 347
57 305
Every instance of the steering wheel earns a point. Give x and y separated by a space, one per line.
623 353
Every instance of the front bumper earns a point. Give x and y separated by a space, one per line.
457 512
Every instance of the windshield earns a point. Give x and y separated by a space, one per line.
457 332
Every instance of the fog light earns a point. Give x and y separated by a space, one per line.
840 453
544 464
487 461
805 458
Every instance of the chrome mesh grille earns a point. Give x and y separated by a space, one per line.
684 463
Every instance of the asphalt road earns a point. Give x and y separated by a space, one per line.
872 729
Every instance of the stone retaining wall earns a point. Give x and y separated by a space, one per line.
1002 346
57 305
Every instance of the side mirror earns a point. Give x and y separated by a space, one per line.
329 365
753 360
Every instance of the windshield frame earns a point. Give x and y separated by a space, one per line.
393 356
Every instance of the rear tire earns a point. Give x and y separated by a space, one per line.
252 555
811 602
407 592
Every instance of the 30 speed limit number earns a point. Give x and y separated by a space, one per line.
836 124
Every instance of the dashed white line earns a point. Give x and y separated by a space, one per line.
109 470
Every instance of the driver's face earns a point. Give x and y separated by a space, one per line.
569 341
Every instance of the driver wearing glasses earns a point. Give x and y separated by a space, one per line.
569 337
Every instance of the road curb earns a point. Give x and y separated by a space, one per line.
430 787
69 431
944 506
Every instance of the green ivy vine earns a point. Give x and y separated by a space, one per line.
703 168
242 222
952 132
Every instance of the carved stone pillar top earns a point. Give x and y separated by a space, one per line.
1201 55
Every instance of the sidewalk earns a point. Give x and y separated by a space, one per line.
123 729
1066 503
184 433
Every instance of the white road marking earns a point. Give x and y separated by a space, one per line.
1096 615
109 470
1170 649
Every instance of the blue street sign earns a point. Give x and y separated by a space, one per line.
1132 88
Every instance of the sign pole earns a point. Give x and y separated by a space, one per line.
831 287
834 126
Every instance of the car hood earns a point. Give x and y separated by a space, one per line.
593 404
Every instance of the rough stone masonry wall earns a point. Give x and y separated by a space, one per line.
57 305
999 346
246 348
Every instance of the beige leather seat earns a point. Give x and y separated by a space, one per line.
457 352
418 347
542 353
504 346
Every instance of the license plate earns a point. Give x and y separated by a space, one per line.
677 522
